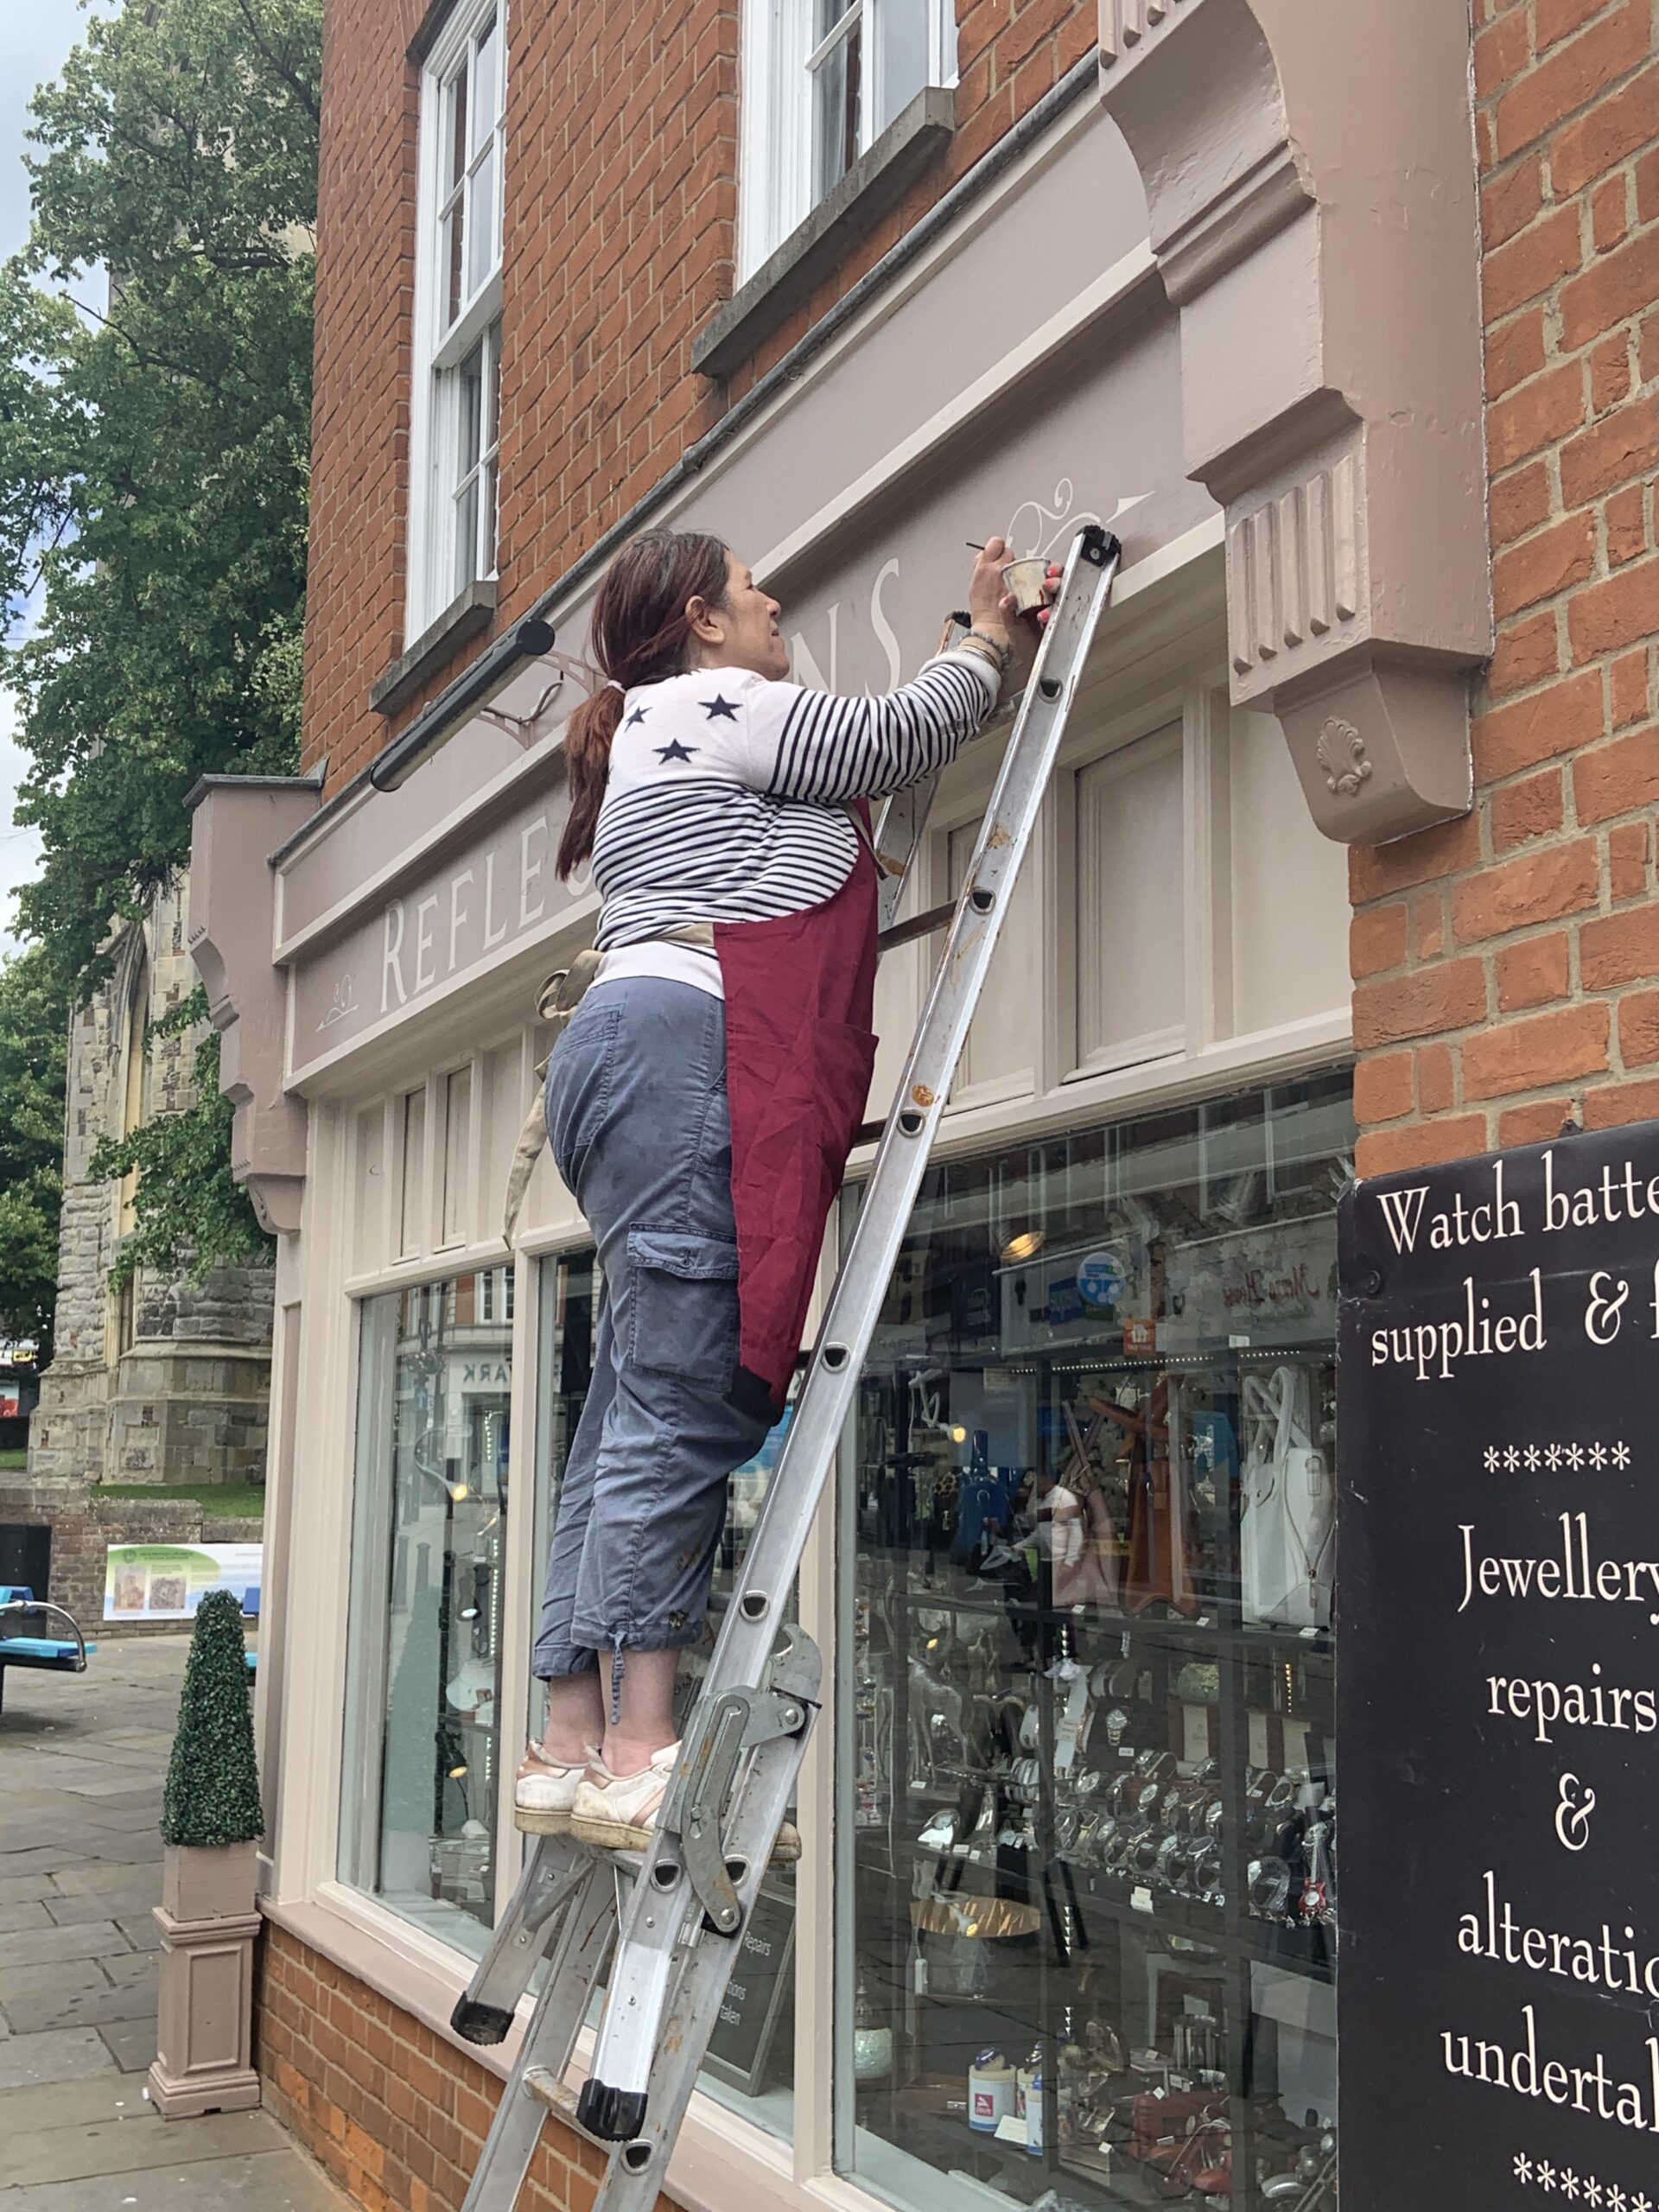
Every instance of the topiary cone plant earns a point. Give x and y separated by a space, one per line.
210 1821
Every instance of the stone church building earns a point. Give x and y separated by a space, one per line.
162 1382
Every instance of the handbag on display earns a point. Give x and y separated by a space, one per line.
1287 1507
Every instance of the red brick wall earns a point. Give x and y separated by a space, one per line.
359 431
620 223
1506 967
396 2115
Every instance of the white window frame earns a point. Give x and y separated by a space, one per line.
444 346
776 191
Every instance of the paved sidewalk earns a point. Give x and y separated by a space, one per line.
82 1761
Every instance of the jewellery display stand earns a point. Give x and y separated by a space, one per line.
1093 1840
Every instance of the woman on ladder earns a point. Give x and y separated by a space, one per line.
702 1100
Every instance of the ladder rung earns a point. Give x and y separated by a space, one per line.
906 932
547 2090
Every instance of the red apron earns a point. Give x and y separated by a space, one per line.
800 1049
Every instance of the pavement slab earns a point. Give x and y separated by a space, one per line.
24 1888
72 2104
135 1967
33 1947
104 2006
67 2055
106 1905
271 2181
20 1987
131 2043
140 1930
32 1914
14 1866
75 1881
119 2146
121 1852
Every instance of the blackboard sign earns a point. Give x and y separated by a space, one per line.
756 2004
1498 1682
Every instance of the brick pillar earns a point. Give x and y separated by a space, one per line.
1506 967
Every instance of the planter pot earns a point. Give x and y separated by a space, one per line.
205 2025
216 1883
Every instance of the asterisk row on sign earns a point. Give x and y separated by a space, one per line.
1579 2189
1510 1459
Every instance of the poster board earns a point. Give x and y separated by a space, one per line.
757 1998
167 1582
1498 1680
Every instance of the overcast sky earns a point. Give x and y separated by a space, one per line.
35 36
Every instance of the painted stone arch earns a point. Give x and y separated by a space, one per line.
1310 173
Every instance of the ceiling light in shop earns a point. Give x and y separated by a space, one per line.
1025 1246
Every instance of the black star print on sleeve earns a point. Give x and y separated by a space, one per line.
719 709
674 750
637 716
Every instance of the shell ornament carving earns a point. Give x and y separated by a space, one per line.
1342 757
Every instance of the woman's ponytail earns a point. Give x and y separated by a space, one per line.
587 737
638 636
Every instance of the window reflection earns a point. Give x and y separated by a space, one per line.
1087 1890
424 1661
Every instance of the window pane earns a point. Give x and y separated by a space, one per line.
458 114
1086 1886
835 114
484 84
751 2060
482 253
466 534
470 425
489 516
424 1643
456 234
902 33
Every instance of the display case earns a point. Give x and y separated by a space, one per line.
1089 1839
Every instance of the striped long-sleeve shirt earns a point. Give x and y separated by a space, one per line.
727 798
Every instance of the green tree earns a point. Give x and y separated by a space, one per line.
189 1214
33 1021
153 482
153 454
213 1777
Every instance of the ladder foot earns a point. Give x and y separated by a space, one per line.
614 2115
486 2023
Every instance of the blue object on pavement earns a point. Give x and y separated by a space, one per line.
52 1654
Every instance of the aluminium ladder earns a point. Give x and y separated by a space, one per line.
667 1923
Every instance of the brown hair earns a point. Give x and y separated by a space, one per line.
638 636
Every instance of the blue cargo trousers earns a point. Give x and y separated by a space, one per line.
637 1119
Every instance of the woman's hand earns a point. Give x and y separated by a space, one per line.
995 615
991 607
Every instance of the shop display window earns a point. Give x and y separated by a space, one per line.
750 2065
1087 1872
423 1680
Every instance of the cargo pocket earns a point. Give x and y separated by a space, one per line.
683 1293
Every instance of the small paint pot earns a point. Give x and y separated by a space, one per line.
1024 581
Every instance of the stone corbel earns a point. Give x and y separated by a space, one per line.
239 821
1310 179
